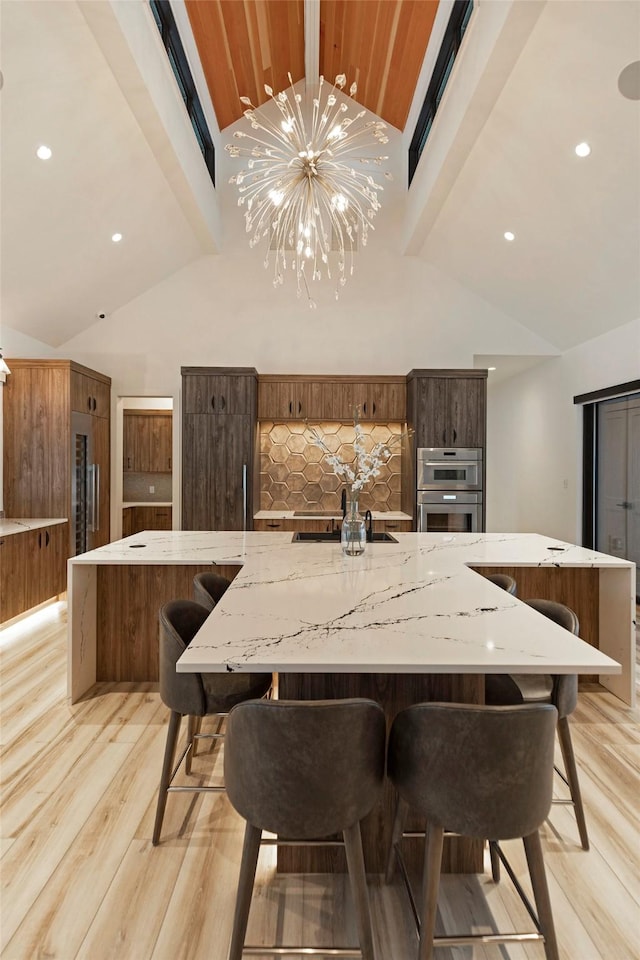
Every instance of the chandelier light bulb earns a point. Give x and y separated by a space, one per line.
303 190
43 152
583 149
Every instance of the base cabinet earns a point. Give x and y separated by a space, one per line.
136 519
32 568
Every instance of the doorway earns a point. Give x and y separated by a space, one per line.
144 472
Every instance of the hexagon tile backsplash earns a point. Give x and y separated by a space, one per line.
294 474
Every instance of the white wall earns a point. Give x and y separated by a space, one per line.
534 443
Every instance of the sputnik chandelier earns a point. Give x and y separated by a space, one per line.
302 191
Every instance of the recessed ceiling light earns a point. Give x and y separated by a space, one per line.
583 149
491 368
116 237
509 236
44 152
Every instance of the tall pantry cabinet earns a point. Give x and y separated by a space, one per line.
219 430
57 441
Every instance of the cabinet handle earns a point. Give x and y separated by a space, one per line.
169 463
47 538
364 406
455 434
88 403
96 501
299 406
94 404
374 408
291 406
223 402
129 463
213 403
272 524
39 540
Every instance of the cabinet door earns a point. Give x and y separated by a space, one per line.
232 473
160 443
343 401
52 561
386 401
466 412
219 394
129 427
198 466
37 479
431 412
101 437
268 400
89 395
13 579
127 521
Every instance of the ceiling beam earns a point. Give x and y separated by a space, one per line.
311 41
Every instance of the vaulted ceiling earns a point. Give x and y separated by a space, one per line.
75 79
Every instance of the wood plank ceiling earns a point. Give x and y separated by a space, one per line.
244 44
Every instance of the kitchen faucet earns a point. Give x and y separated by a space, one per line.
368 524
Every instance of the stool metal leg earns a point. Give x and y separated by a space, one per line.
192 728
402 808
248 864
430 887
535 860
566 745
358 880
167 767
495 861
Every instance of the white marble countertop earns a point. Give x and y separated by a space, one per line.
299 515
7 527
409 607
147 503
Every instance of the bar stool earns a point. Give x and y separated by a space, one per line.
304 770
480 772
192 694
561 690
208 588
504 581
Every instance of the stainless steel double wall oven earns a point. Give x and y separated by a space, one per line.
449 489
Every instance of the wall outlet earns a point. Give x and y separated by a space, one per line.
152 489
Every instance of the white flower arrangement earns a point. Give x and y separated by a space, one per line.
367 464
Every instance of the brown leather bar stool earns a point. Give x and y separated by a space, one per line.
208 588
504 581
478 772
192 694
304 770
561 690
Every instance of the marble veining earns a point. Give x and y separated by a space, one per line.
415 606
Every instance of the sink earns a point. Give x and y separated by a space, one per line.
306 536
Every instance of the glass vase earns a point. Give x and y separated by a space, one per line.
353 537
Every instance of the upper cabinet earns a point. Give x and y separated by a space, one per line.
90 393
227 392
331 398
447 408
147 441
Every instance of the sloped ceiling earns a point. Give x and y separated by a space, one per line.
571 273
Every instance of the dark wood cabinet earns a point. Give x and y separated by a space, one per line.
147 441
218 448
32 568
447 408
145 517
40 399
283 398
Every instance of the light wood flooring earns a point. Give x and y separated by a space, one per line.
80 879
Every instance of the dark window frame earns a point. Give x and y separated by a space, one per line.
451 42
168 28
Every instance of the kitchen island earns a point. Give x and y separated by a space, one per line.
407 621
